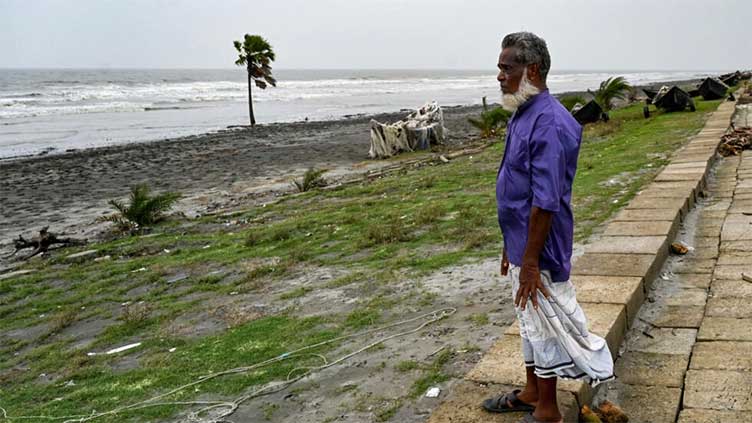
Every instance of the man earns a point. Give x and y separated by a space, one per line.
533 194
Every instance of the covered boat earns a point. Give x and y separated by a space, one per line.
712 89
417 131
673 99
589 113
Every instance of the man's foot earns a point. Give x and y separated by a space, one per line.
514 401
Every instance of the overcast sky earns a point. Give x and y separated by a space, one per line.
336 34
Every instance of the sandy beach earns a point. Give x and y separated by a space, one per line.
229 168
68 191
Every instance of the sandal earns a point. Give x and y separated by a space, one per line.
500 403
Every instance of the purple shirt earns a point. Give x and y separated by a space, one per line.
540 160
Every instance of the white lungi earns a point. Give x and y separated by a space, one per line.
555 337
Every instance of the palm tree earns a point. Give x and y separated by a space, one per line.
255 54
610 89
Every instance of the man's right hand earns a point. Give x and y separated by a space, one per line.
504 262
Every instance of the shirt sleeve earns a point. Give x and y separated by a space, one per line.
548 168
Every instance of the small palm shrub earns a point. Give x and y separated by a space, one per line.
142 210
611 89
491 120
312 179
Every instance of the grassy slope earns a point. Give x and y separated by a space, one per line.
412 223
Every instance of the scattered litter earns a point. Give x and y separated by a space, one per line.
610 413
166 251
433 392
69 383
103 258
679 248
436 352
143 269
443 159
746 278
665 277
206 246
733 143
172 349
588 416
234 293
123 348
648 334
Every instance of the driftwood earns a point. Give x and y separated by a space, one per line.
42 243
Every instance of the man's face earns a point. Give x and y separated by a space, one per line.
510 72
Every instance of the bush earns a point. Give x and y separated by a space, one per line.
143 209
569 101
311 179
491 120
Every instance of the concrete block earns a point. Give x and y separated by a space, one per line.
81 256
647 215
722 355
698 415
627 291
732 271
645 404
692 280
664 341
659 228
673 204
649 369
735 258
694 266
629 245
737 227
16 273
731 289
686 297
729 307
744 245
592 264
725 329
718 390
679 317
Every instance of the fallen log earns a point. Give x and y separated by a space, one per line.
42 243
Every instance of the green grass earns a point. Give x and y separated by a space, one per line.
380 231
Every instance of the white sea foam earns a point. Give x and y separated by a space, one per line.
115 106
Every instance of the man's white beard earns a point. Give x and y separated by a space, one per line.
525 91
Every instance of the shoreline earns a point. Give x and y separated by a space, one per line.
220 170
381 116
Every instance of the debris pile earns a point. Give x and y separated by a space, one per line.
418 131
733 143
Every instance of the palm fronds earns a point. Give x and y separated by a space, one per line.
311 179
256 54
611 89
142 208
490 121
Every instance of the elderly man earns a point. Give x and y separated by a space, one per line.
533 193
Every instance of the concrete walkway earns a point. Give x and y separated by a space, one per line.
613 278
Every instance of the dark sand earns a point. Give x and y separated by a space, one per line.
68 191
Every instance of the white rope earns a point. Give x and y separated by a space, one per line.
270 388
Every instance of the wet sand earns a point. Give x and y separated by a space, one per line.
68 191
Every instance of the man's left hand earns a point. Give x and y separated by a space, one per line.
530 284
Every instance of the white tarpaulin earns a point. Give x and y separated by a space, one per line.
418 131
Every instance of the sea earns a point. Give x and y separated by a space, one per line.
49 111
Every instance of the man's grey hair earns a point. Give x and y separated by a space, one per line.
531 49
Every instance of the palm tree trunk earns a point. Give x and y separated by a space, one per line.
250 102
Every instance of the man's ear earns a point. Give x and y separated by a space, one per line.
533 72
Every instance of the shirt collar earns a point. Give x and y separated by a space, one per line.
532 100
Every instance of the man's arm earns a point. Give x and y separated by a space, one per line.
530 281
